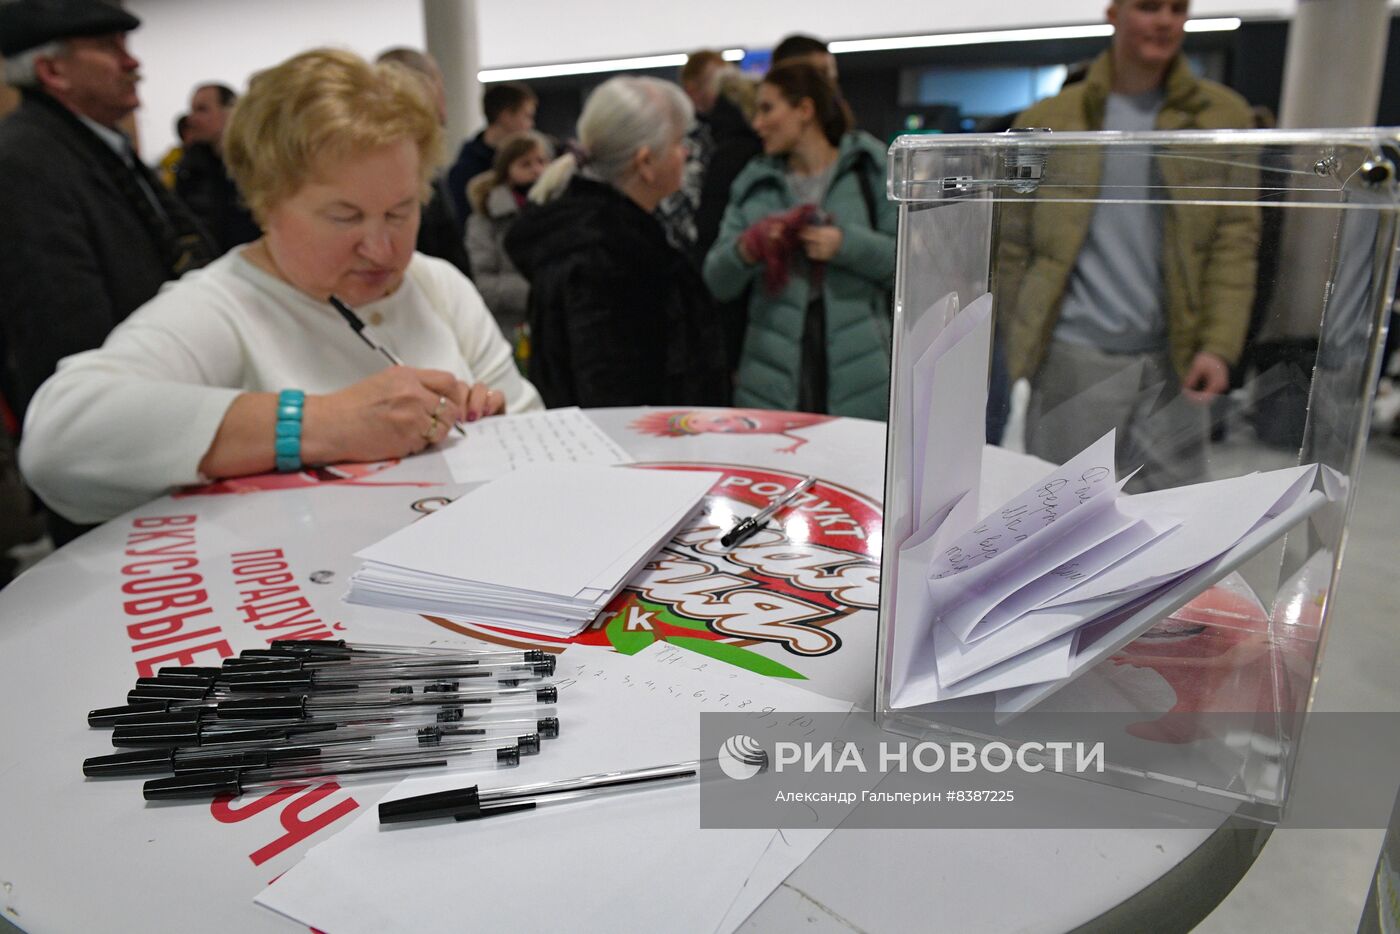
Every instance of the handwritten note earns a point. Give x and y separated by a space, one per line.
1086 476
496 446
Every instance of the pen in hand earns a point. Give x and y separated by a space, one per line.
358 327
746 527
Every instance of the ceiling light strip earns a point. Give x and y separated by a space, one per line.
636 63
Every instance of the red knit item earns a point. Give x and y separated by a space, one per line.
774 241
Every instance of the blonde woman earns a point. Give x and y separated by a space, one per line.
246 367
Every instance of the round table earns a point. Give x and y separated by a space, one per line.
202 574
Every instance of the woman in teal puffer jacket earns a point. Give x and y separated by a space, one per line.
820 276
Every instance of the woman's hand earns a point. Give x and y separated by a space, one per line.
483 401
821 242
395 412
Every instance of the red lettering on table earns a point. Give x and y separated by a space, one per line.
295 800
151 522
168 564
160 584
175 586
168 602
164 626
147 667
271 600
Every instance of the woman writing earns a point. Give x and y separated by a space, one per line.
811 216
245 366
617 315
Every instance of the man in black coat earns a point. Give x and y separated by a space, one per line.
202 180
87 232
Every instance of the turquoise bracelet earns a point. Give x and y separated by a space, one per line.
287 443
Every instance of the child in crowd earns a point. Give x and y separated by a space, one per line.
497 197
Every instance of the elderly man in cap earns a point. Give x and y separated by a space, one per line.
87 232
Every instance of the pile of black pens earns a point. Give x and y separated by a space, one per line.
311 709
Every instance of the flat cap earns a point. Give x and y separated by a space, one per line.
26 24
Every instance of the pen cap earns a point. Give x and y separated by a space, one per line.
529 744
288 707
193 785
161 735
160 681
315 647
110 716
545 667
548 727
422 807
509 755
549 695
134 762
166 692
114 716
271 665
270 654
187 673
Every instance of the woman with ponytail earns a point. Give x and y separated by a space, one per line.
808 236
617 315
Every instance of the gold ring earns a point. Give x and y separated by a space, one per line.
442 404
432 430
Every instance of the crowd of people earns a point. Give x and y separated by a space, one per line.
708 241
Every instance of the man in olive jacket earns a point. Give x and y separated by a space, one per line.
1128 315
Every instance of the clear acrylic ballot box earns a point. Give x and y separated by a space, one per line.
1176 337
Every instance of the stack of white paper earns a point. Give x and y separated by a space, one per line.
542 549
1066 572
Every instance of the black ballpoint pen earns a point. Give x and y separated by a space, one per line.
358 327
746 527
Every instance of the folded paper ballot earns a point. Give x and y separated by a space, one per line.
542 549
1018 620
1063 574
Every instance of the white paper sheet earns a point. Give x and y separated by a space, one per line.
1006 529
1011 702
1212 517
579 866
950 406
496 446
982 588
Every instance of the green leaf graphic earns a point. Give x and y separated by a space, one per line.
736 656
625 641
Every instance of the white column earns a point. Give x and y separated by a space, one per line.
451 36
1334 64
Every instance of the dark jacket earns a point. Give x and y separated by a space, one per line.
77 253
473 158
440 229
202 182
735 143
617 315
